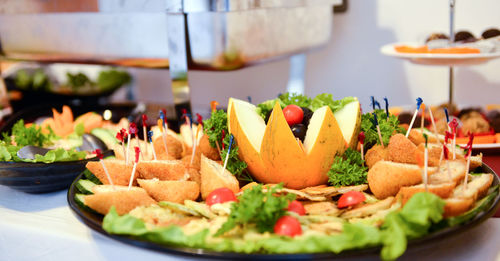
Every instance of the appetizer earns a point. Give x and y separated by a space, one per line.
290 175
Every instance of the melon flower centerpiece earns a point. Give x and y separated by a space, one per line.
274 154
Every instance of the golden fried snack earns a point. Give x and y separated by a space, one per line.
118 150
162 169
170 190
213 177
475 125
174 148
194 175
386 178
375 154
186 160
457 206
434 152
118 171
207 150
401 149
443 190
122 199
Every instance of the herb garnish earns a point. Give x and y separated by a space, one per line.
257 207
388 127
348 170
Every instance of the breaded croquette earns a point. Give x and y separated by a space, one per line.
194 175
118 171
196 162
162 170
401 149
416 137
207 150
170 190
174 148
375 154
386 178
213 177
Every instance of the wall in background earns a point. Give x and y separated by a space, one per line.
351 64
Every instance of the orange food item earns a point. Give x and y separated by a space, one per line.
90 121
455 50
497 136
425 49
483 139
60 123
409 49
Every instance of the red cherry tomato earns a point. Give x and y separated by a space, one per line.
350 198
287 226
220 195
293 114
296 206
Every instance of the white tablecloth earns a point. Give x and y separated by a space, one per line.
42 227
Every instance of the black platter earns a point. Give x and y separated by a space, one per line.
94 221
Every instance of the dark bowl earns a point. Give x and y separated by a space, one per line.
94 221
40 177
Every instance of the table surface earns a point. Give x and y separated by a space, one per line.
42 227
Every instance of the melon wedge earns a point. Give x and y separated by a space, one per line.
349 120
274 155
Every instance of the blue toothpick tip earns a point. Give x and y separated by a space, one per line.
447 116
419 102
150 136
375 120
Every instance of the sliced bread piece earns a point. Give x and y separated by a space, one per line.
118 171
477 187
386 178
122 199
442 190
213 177
170 190
457 172
457 206
162 170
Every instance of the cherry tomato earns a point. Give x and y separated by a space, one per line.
287 226
350 198
293 114
220 195
296 206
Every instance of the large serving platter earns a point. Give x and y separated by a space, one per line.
94 221
438 59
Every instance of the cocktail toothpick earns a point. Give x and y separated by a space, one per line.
127 157
134 131
150 139
361 139
375 122
422 118
198 129
137 153
228 151
453 125
163 135
434 126
144 131
213 105
375 103
99 155
189 122
445 153
447 118
419 102
426 156
468 153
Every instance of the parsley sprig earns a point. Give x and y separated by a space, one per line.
348 170
388 127
257 207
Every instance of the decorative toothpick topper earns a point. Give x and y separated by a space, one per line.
228 151
386 107
163 119
150 139
419 102
213 106
164 112
99 155
375 122
199 119
447 136
199 129
121 135
133 129
137 152
361 139
447 118
445 154
375 103
144 120
222 140
249 98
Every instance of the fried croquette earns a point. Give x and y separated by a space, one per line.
174 148
213 176
120 197
375 154
118 171
171 190
401 149
162 170
207 150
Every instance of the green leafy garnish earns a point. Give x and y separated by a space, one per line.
77 80
388 127
112 79
319 101
348 170
213 127
257 207
32 135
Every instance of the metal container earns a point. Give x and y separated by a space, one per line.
220 34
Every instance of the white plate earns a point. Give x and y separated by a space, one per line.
438 58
